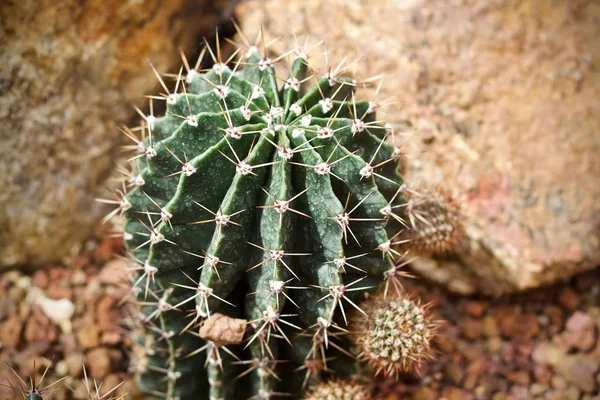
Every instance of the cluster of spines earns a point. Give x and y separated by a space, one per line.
395 334
36 390
329 166
435 220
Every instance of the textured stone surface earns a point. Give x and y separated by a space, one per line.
70 71
502 98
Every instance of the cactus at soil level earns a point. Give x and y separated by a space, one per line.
273 200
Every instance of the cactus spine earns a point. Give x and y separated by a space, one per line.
273 202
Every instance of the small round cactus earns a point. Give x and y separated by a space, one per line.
395 334
339 390
434 221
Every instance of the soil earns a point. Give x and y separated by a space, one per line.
542 344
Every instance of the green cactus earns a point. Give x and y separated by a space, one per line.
276 203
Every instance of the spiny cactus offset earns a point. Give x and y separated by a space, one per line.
394 335
435 221
338 390
278 204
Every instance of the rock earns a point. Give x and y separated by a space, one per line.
487 105
538 388
110 338
74 363
223 330
59 311
38 327
115 272
580 370
519 377
547 353
8 307
580 331
425 393
71 71
87 336
471 328
10 332
98 362
476 308
106 314
569 299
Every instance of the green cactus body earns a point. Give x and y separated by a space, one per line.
264 203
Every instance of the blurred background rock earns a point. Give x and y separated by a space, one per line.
70 72
502 97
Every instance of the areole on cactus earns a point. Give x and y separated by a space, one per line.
273 200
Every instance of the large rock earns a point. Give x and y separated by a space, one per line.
503 98
70 71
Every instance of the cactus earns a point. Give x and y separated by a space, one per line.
339 390
274 200
435 221
35 390
394 335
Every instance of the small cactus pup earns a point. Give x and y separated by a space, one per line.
435 220
259 197
394 335
338 390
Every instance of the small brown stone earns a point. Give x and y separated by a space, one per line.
519 377
87 336
10 332
110 338
569 299
580 370
98 361
471 328
223 330
115 272
425 393
75 364
38 327
106 314
476 308
40 279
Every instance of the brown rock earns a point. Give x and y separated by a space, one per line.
110 338
223 330
580 331
40 279
454 393
106 314
580 371
471 328
8 307
38 327
425 393
75 364
569 299
87 336
519 377
476 308
488 105
98 361
115 272
10 332
71 70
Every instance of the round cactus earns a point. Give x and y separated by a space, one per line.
338 390
395 334
435 221
275 200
